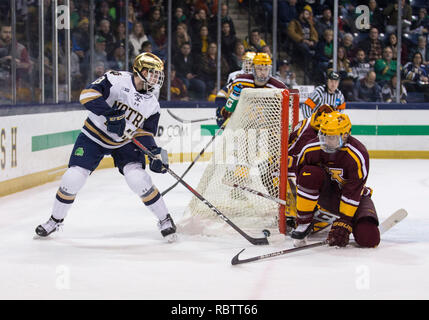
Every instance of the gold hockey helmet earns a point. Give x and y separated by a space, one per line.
335 127
248 61
155 70
316 117
262 65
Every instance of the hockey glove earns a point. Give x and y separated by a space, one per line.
340 233
115 121
160 163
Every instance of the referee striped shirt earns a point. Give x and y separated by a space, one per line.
321 96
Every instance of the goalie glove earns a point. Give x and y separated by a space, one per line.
159 163
340 232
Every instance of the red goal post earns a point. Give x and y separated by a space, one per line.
290 108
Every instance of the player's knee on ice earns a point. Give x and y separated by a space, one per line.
366 233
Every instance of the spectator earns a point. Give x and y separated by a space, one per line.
421 25
100 69
179 17
237 56
100 54
416 76
187 71
285 75
324 53
325 21
146 47
284 11
209 68
200 19
366 89
388 91
372 46
200 43
228 40
137 37
23 63
83 8
347 87
180 37
289 12
255 42
391 15
376 17
178 89
347 44
105 32
103 13
74 15
155 19
226 18
120 32
343 64
267 49
304 35
360 66
159 42
117 58
423 49
392 41
80 38
385 68
132 16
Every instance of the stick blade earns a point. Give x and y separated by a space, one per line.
392 220
259 241
235 259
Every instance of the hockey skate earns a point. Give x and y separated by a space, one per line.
49 227
168 229
300 234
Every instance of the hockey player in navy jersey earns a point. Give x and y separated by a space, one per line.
120 104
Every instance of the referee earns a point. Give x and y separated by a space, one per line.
325 94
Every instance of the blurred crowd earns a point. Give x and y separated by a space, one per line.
366 58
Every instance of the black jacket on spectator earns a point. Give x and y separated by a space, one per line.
183 67
363 93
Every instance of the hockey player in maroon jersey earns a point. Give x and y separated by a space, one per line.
332 171
306 130
259 78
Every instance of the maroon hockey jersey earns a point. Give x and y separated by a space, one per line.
348 167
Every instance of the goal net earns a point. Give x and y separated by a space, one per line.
251 152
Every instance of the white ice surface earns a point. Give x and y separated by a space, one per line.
110 248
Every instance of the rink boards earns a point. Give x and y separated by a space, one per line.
35 147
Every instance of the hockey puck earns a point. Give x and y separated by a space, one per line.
266 232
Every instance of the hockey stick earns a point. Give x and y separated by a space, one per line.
321 216
256 241
196 159
387 224
189 121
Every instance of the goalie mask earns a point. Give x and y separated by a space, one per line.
334 130
248 62
154 77
262 65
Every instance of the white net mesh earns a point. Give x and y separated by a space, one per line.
248 154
